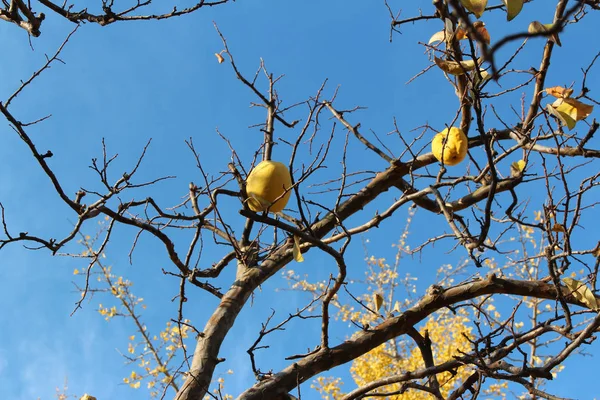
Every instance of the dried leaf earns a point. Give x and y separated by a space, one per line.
485 35
377 300
596 251
513 8
437 37
481 77
517 168
442 35
558 228
449 27
482 30
477 7
559 92
296 251
461 33
538 27
581 292
220 58
455 67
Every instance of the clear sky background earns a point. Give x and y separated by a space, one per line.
129 82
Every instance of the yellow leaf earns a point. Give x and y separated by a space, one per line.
576 109
455 67
517 167
568 110
538 27
220 58
563 117
581 292
377 300
75 271
477 7
131 337
296 251
513 8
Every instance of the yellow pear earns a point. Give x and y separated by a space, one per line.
266 185
452 144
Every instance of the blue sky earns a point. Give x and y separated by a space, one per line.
129 82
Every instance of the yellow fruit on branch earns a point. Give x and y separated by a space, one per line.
450 146
266 187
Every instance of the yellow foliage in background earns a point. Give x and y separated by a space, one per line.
448 334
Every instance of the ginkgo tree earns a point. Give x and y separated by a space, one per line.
501 186
153 357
